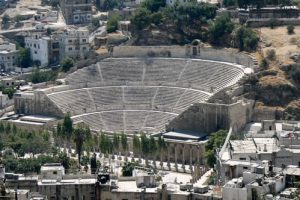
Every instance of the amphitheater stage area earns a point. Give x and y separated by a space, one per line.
134 95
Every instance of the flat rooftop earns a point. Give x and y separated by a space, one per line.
184 135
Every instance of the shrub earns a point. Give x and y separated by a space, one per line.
67 64
246 39
290 29
271 54
272 23
112 24
222 26
263 64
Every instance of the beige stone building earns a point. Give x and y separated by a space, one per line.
74 43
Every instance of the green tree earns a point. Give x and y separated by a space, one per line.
128 168
25 57
67 126
94 165
220 28
81 133
216 140
145 144
162 147
112 23
116 142
153 5
5 19
291 29
141 18
66 64
9 91
246 38
111 4
136 145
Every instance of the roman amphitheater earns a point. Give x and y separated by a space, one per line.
133 92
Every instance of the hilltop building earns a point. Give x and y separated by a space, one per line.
9 56
76 11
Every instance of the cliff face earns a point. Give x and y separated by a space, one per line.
275 91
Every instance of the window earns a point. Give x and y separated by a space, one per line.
70 48
245 167
83 40
34 45
38 46
35 52
83 48
55 172
12 83
8 57
242 158
70 41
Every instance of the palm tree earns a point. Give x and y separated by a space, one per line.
162 146
80 134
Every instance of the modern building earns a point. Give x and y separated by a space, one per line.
39 48
74 43
9 56
53 183
76 11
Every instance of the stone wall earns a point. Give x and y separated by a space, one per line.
210 117
36 103
206 53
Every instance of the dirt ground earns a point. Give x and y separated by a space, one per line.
278 39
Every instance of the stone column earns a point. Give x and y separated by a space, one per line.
168 159
176 156
198 162
183 158
191 158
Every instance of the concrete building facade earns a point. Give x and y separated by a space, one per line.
9 56
74 43
76 11
39 48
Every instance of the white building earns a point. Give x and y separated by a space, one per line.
74 43
39 48
9 56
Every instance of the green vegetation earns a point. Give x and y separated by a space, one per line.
187 19
39 76
81 134
108 4
246 39
128 168
182 23
5 19
220 29
25 57
216 140
112 23
290 29
271 54
66 64
272 23
31 165
9 91
22 141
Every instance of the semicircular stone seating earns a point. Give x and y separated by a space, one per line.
132 95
